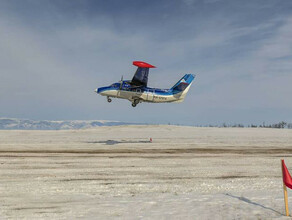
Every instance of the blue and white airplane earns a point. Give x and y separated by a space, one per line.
136 90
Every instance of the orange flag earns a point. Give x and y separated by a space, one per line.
286 176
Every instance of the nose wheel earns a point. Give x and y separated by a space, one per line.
109 99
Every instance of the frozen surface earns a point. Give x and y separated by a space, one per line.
115 172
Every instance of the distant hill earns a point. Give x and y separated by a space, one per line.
25 124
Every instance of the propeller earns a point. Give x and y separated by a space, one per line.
121 84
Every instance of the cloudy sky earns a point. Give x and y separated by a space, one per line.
53 54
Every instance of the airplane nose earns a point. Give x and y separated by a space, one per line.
95 90
100 90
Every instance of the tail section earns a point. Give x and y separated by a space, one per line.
181 88
183 83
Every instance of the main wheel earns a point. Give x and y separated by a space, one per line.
134 104
109 99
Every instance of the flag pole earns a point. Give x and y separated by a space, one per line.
285 193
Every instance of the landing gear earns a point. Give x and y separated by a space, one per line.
109 99
135 102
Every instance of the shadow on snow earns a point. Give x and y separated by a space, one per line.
251 202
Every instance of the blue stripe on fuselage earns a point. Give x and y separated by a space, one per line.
139 89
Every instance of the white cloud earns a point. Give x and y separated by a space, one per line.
280 45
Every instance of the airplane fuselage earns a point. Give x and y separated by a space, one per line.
142 93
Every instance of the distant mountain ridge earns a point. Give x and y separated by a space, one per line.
26 124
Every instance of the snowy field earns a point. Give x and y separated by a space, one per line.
116 173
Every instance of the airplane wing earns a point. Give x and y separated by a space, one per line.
141 76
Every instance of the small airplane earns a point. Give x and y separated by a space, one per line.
136 90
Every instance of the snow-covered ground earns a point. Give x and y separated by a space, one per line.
115 172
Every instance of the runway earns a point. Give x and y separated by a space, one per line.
115 172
